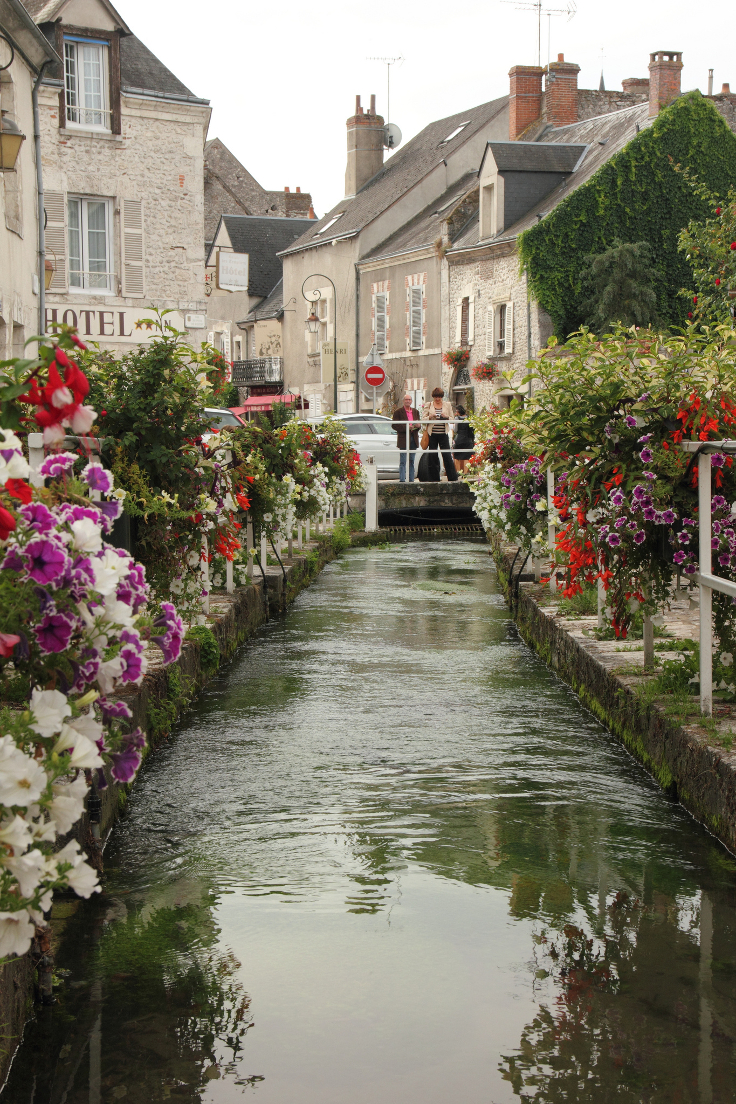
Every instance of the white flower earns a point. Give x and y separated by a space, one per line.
82 878
16 932
17 467
49 708
109 569
28 870
541 505
108 674
118 613
16 833
84 754
87 536
22 778
68 803
88 725
726 659
119 493
82 419
210 505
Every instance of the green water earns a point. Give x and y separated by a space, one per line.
388 858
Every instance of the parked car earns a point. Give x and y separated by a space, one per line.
216 418
373 435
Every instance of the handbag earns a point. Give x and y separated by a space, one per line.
425 439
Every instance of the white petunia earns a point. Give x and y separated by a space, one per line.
27 869
68 804
82 878
118 613
49 708
84 754
109 569
16 833
17 467
110 671
88 725
22 778
87 537
16 932
726 659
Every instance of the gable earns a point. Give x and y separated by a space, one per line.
96 14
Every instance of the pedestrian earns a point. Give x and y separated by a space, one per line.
407 413
437 414
463 442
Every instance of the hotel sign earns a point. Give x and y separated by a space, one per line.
345 374
118 325
232 271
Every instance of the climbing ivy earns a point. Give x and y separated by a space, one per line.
636 196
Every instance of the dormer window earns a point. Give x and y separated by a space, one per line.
86 83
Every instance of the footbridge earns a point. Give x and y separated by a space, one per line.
420 506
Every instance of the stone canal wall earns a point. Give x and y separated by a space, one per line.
691 757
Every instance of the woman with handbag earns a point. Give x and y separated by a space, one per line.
438 414
463 442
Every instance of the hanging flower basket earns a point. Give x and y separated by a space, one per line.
486 370
456 358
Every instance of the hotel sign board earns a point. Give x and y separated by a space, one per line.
345 374
232 271
116 326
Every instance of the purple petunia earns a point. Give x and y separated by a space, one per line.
110 511
619 522
54 632
645 439
649 475
38 517
714 543
683 538
640 537
617 498
646 455
717 460
669 517
132 664
649 513
724 559
644 397
13 560
690 569
679 557
614 539
689 521
607 430
630 421
46 560
114 710
97 478
717 502
639 492
56 464
126 762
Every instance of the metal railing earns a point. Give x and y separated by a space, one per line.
259 370
89 116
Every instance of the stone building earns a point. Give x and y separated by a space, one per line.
23 54
122 144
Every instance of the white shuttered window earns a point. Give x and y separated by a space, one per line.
490 351
55 237
132 248
509 329
416 319
88 242
380 311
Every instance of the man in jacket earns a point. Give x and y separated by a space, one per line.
407 413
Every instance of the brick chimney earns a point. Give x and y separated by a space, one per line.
525 98
636 84
561 92
665 69
365 147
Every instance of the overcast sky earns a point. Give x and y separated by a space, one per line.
282 77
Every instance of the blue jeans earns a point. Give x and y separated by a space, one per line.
402 466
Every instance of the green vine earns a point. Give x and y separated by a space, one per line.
636 196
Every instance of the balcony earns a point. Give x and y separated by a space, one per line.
260 370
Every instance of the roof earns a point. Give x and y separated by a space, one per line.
426 227
25 36
262 237
402 171
604 136
142 72
270 307
535 156
44 11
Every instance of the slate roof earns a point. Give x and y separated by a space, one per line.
604 135
141 71
535 156
262 238
271 307
426 227
401 172
42 11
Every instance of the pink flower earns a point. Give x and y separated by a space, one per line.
54 632
47 560
7 644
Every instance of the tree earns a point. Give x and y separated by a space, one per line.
619 285
710 248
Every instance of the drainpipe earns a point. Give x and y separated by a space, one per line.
41 213
357 338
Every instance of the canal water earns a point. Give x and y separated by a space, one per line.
388 858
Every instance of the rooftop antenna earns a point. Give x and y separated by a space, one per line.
388 62
536 6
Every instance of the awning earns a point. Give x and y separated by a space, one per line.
264 402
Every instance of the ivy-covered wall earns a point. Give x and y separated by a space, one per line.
636 196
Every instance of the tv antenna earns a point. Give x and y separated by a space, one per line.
388 62
536 6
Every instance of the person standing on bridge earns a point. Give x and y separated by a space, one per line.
463 442
407 413
438 415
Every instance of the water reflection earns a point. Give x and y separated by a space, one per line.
390 857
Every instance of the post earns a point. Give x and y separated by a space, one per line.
264 551
648 641
35 458
308 527
290 543
205 569
249 543
331 522
371 495
299 535
229 580
551 525
601 602
706 594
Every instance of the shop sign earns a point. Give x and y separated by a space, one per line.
345 373
119 325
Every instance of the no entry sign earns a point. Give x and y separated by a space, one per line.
374 376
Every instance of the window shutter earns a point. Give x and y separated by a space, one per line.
489 331
211 338
464 314
132 227
226 345
55 237
415 321
471 321
380 319
509 334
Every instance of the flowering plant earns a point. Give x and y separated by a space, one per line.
456 358
485 370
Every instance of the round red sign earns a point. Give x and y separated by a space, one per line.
375 376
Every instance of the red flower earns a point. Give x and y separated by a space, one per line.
733 245
718 281
695 298
242 501
689 314
7 523
77 342
16 488
7 643
718 210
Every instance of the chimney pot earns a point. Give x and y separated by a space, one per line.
286 190
525 98
726 90
357 105
298 188
373 105
665 71
561 92
312 215
560 57
365 148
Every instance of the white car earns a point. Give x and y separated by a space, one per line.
373 435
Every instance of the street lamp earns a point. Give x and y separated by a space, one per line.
313 321
11 139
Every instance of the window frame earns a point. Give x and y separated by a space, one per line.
85 287
106 110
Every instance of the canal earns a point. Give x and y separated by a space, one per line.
389 857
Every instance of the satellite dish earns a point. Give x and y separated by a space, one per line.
391 136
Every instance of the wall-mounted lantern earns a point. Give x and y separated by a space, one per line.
11 139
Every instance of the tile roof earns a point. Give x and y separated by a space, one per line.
535 156
262 238
271 307
402 171
604 135
426 227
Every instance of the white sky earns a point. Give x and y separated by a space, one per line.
282 77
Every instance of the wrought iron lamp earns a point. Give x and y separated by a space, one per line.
11 139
